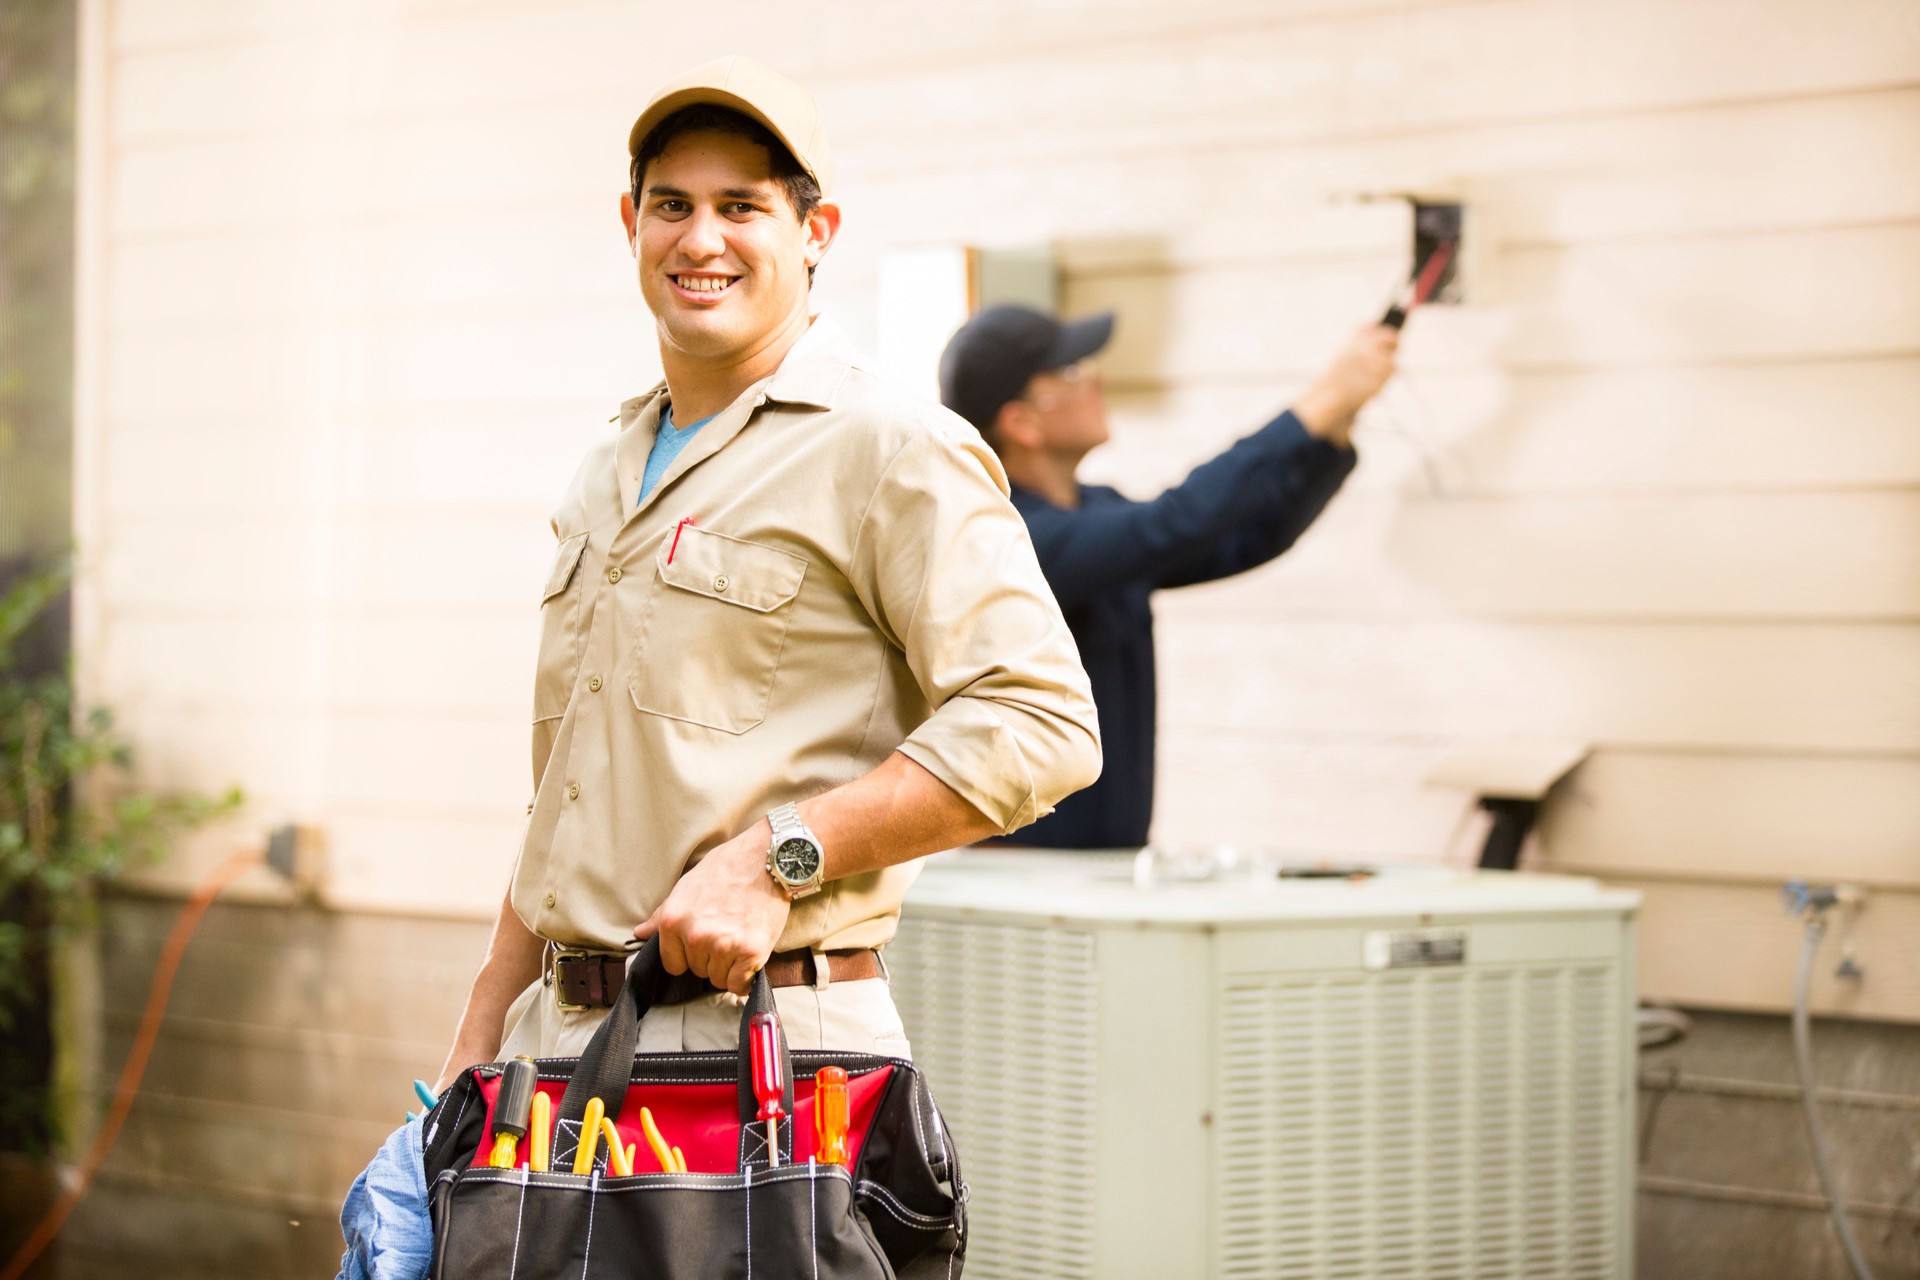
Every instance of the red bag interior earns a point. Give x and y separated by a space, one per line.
702 1120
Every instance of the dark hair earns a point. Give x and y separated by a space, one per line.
803 193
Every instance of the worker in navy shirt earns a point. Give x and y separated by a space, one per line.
1029 384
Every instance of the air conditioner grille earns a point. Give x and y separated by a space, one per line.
968 993
1420 1125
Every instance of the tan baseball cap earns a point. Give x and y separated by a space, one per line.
753 90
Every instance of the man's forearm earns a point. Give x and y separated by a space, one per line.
896 812
725 915
1328 408
513 961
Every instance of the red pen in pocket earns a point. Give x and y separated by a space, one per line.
676 538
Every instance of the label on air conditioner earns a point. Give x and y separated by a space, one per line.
1404 948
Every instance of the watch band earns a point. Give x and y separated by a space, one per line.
786 822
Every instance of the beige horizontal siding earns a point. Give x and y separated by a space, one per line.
1751 298
1707 816
1799 426
1643 558
1737 686
362 303
885 80
1733 946
1753 819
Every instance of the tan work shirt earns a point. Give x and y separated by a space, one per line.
829 571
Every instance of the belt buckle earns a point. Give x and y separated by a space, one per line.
559 989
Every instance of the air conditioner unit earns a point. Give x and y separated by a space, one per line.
1418 1074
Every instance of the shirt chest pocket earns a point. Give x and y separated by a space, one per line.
713 629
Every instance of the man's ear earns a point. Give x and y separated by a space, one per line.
823 224
1015 424
631 218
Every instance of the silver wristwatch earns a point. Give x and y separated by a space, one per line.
794 860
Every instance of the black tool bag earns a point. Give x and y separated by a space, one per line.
896 1208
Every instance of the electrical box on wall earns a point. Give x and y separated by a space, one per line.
1445 228
1440 225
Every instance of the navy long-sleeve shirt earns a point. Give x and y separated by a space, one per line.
1106 558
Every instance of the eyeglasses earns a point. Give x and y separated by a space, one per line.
1077 376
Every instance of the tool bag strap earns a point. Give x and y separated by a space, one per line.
606 1065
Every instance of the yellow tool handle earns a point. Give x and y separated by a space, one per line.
540 1133
589 1135
661 1151
617 1162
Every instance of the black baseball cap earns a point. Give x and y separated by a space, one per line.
994 355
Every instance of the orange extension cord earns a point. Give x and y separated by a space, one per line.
183 927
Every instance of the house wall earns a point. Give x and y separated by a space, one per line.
356 302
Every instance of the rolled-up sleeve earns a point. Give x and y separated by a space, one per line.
945 567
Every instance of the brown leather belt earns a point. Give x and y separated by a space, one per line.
592 979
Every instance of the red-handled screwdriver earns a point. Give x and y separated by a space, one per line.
769 1080
1420 287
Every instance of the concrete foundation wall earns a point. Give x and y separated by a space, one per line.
293 1034
1728 1189
285 1060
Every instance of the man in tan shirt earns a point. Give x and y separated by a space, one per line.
824 599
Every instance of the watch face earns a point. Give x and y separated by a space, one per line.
796 860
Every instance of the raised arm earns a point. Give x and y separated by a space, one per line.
1236 511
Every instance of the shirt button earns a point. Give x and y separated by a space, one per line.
550 898
613 573
720 582
593 684
529 806
573 791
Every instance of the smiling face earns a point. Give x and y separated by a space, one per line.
722 255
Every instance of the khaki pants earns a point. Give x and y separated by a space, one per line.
857 1017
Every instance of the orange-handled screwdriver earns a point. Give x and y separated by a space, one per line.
830 1114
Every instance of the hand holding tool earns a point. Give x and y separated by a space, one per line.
510 1111
830 1113
1420 287
769 1077
540 1133
589 1135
